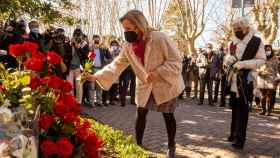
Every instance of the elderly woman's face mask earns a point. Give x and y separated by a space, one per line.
239 32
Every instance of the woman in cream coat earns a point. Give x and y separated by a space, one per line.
157 64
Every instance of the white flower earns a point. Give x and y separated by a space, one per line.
26 89
5 115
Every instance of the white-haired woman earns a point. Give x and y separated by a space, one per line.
249 54
157 65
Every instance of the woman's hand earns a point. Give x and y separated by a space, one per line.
152 76
88 77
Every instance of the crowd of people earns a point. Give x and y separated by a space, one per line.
245 69
74 52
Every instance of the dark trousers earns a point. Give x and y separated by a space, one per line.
267 99
86 91
111 94
223 91
239 121
127 78
205 80
216 89
140 125
195 79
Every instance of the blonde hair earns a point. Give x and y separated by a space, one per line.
137 18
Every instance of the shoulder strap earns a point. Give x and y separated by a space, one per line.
251 49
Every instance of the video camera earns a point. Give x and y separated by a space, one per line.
13 26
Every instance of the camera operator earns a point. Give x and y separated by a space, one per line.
59 44
74 59
14 32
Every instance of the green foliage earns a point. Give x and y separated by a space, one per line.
48 12
124 146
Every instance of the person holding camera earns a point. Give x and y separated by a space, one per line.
246 55
74 59
14 32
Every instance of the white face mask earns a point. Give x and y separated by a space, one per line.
268 53
114 48
35 30
208 50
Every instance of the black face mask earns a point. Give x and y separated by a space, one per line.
96 42
130 36
239 34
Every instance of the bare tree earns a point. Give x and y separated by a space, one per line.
187 19
265 15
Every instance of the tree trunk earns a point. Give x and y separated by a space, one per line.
191 47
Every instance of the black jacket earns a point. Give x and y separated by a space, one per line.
82 53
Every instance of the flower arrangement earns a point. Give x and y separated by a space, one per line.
32 87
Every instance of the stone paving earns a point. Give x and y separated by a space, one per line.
201 131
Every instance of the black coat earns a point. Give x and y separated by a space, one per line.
82 53
5 42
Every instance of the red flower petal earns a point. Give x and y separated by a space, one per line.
48 148
34 64
16 50
46 121
53 58
65 147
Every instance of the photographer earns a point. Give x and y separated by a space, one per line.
60 45
13 33
74 59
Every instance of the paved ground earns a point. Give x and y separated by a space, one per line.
201 131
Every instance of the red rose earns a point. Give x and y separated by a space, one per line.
67 87
65 148
71 102
92 145
60 109
34 83
91 151
45 80
48 148
70 117
91 55
16 50
82 133
53 58
46 121
39 55
232 47
94 140
34 64
2 89
30 47
55 82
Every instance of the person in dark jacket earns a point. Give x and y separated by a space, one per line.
14 32
208 64
74 59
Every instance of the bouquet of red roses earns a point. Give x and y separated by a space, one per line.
62 132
